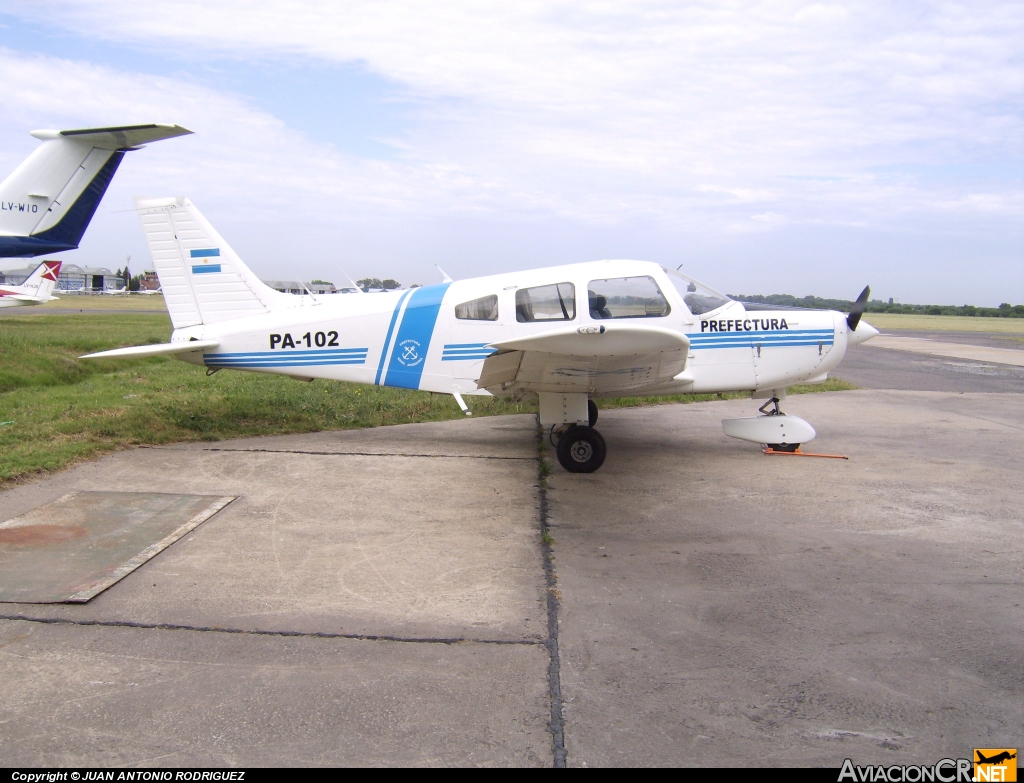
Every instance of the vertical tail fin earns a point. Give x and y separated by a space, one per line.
203 279
48 201
43 279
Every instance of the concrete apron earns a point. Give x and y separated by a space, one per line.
402 564
721 607
717 607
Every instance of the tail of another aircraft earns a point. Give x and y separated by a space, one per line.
48 201
203 279
43 279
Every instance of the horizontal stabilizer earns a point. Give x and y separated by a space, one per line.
154 350
26 298
119 137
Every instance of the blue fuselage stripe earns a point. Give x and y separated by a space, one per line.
409 354
294 363
387 340
285 354
286 358
788 338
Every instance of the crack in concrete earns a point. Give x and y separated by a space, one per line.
264 632
373 454
557 723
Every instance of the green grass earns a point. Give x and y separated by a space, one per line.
57 410
98 302
945 323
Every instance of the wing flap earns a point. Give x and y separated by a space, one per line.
499 369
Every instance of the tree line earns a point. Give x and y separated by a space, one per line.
1005 310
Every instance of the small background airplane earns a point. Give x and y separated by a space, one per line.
566 335
37 288
48 201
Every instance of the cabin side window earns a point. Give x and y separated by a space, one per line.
546 303
699 299
483 309
626 297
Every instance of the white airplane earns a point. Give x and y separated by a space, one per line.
48 201
116 291
37 288
566 334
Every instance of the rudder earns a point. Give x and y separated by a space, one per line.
43 279
203 279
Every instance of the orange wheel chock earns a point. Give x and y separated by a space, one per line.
768 450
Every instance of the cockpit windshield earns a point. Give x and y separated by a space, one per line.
697 296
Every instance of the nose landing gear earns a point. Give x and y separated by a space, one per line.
780 432
776 411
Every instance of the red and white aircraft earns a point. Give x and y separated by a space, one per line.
37 288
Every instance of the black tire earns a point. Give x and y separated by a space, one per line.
592 412
581 450
790 447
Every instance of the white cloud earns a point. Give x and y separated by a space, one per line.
696 120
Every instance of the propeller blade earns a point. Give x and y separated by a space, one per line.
858 309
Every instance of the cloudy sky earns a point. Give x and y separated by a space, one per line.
768 147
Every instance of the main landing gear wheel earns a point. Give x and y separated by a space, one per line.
581 450
592 412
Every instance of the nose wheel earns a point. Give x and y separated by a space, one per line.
790 448
581 449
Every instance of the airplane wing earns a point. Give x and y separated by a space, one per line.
154 350
597 360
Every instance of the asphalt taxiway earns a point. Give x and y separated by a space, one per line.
389 596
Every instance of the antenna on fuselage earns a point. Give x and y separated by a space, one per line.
355 285
311 296
444 275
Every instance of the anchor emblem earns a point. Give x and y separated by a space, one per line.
408 353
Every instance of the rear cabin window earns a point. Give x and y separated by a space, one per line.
546 303
626 297
483 309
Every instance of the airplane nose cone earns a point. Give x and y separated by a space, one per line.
863 333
